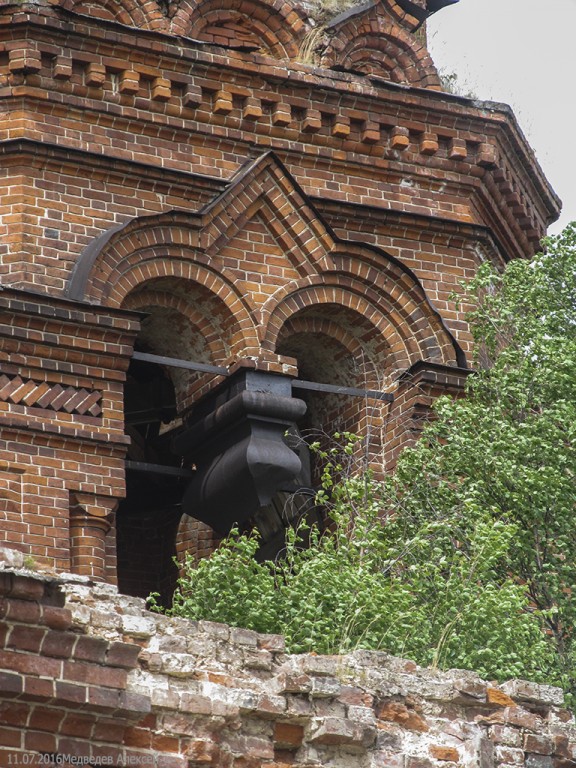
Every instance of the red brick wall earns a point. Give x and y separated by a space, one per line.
62 421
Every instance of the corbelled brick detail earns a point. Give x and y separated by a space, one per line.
93 675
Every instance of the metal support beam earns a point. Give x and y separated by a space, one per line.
174 362
158 469
337 390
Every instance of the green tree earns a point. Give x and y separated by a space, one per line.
464 558
508 451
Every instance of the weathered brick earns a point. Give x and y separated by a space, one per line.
172 761
123 655
541 745
134 702
44 719
81 672
498 697
58 644
397 712
21 587
201 752
71 693
56 618
11 684
91 649
445 754
538 761
334 730
288 735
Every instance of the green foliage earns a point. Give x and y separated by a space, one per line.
464 558
508 451
451 83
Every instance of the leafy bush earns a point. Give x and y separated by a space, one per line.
464 558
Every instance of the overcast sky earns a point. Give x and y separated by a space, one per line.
521 52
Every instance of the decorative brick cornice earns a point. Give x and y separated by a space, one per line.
320 115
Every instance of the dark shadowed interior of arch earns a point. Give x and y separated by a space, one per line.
148 519
325 360
180 321
334 345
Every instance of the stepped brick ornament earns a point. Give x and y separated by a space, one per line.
16 390
241 191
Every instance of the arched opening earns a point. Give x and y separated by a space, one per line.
272 27
181 321
335 345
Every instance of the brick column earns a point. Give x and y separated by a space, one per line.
91 519
417 389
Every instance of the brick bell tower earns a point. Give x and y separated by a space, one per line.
222 221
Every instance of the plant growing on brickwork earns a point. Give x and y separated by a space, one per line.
464 558
451 83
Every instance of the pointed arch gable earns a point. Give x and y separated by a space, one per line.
263 186
207 248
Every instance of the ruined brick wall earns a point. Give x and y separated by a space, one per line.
88 675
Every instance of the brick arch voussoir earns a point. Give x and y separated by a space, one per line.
375 357
318 324
259 33
378 57
392 324
201 322
402 17
306 249
413 319
129 277
116 248
281 26
146 15
159 234
368 39
389 277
